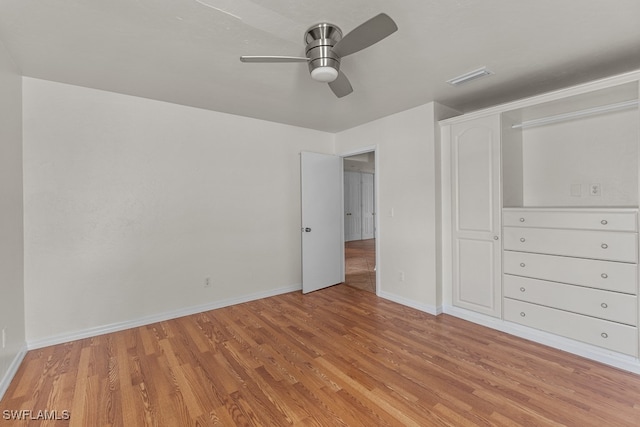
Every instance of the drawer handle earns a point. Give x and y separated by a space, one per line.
522 239
604 305
522 264
522 289
604 246
604 275
604 222
521 219
522 314
604 335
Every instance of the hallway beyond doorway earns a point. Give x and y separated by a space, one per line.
360 261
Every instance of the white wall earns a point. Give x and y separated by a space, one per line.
601 149
11 229
131 203
408 211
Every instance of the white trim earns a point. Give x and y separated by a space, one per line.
154 318
576 114
376 186
629 77
429 309
361 150
598 354
11 372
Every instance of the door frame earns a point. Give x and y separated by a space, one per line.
376 194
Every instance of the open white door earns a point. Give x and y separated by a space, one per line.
322 227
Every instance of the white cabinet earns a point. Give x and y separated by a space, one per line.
605 220
544 216
611 335
551 274
599 303
476 205
606 245
612 276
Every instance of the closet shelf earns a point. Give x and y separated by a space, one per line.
577 114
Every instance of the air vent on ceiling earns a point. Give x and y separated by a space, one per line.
471 75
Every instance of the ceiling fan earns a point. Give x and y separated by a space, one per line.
325 47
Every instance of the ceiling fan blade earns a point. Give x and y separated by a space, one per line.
259 17
273 59
341 86
365 35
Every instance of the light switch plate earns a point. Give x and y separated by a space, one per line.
576 190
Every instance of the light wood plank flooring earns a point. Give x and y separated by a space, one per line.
360 263
335 357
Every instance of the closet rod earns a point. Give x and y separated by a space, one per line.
575 114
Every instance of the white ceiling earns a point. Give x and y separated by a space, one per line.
184 52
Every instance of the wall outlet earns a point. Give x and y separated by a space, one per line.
4 337
401 276
594 189
207 282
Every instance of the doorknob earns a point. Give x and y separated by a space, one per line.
348 213
306 229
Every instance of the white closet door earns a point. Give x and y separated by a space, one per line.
476 215
352 206
368 206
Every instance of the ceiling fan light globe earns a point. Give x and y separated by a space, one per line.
324 74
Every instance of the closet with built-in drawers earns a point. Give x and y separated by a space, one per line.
544 217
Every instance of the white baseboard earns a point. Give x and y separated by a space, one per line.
430 309
599 354
154 318
11 372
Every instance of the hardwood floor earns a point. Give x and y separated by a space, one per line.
338 356
360 262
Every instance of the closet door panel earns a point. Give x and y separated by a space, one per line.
368 206
474 175
475 275
476 207
352 206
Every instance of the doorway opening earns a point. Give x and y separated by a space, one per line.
360 221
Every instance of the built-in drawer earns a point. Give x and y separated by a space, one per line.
607 275
607 245
603 333
606 305
573 219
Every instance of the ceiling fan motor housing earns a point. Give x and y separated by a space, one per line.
320 40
